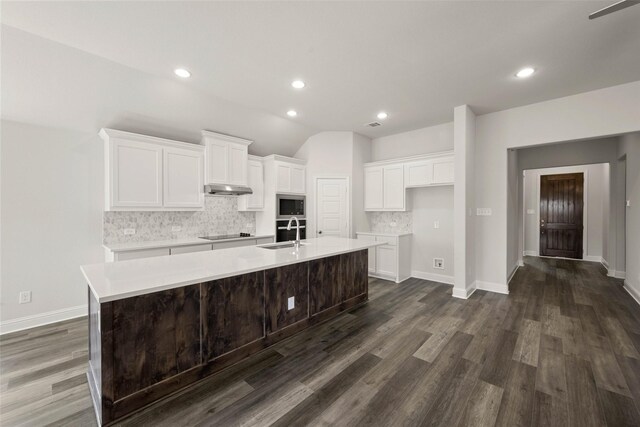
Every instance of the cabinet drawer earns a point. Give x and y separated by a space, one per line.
188 249
390 240
146 253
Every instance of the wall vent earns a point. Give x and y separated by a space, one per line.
373 124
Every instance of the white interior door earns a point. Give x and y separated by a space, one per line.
332 207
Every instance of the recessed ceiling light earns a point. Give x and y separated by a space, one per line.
181 72
525 72
298 84
382 115
292 113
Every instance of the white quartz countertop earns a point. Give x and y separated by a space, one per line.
117 280
373 233
173 243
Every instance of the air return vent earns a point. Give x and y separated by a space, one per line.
373 124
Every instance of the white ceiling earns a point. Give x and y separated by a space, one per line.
415 60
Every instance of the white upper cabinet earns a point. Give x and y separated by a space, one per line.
255 201
385 182
227 158
290 177
373 185
147 173
183 177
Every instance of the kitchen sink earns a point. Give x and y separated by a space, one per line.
280 245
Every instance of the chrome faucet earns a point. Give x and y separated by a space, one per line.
296 243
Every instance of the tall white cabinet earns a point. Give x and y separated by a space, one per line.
255 178
148 173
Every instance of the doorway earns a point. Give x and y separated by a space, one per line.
332 207
561 213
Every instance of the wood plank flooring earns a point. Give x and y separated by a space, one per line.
563 348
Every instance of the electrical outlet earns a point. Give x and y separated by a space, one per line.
483 212
436 224
438 263
249 225
24 297
129 231
628 203
291 303
176 228
393 224
531 211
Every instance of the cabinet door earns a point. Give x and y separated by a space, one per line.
298 179
283 178
386 262
256 182
217 153
443 171
372 251
418 173
393 192
237 164
373 187
183 178
136 174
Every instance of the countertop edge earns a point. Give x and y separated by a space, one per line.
165 287
373 233
179 242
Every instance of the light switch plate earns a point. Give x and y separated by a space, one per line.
628 203
531 211
393 223
436 224
291 303
129 231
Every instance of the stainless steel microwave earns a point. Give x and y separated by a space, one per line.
288 206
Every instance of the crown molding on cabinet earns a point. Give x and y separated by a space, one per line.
411 158
280 158
228 138
106 133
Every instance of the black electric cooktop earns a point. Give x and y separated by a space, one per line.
226 236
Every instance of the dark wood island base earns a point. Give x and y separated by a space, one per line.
146 347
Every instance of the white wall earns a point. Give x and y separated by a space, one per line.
596 202
599 113
630 147
336 154
425 140
429 205
52 194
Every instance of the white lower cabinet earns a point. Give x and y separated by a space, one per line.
144 253
393 259
188 249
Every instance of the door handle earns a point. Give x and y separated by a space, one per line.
319 231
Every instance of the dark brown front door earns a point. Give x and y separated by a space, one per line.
561 203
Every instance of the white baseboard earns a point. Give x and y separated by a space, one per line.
27 322
605 263
631 291
440 278
513 273
520 263
617 274
464 293
530 253
492 287
592 258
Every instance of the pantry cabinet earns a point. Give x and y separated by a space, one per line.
148 173
226 158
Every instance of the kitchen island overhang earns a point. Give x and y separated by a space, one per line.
158 325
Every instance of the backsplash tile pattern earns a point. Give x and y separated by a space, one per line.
381 222
220 216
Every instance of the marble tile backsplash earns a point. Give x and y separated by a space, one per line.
383 222
220 216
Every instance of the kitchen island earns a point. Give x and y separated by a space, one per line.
157 325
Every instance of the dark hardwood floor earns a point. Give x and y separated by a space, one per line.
562 349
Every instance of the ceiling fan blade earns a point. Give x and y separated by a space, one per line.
613 8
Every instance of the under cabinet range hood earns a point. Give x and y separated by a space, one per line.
226 190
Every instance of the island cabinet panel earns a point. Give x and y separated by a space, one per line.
155 337
281 284
325 290
353 274
233 313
